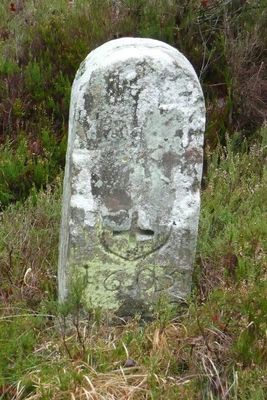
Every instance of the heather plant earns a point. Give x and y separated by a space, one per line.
29 165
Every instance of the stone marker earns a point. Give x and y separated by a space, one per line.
132 178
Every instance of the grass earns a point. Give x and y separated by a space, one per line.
215 348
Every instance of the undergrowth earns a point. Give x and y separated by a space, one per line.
214 348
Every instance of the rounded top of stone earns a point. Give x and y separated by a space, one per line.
118 51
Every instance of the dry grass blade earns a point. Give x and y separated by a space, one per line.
116 385
216 383
19 391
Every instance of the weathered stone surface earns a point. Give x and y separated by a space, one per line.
132 179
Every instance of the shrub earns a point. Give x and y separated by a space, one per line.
29 165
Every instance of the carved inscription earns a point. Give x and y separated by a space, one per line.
135 243
145 279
